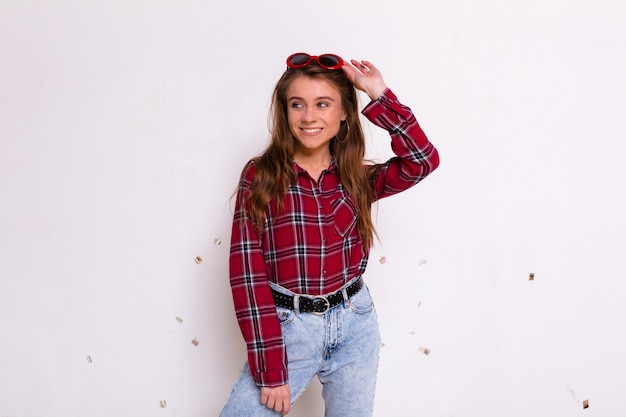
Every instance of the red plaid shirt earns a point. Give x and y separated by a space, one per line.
313 247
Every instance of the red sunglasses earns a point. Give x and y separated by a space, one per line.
328 61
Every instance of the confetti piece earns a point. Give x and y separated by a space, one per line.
424 350
382 260
217 241
195 342
163 404
585 404
531 276
178 319
419 304
411 333
382 345
422 262
89 359
198 260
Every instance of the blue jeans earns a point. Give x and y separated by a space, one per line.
341 347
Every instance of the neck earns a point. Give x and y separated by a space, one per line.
320 158
313 163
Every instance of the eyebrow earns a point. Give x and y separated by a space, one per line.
316 99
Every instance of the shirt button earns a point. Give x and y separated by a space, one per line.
323 271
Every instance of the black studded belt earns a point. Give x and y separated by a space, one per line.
318 304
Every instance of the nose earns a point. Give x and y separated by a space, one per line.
310 114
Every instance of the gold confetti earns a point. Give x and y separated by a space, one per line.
585 404
89 359
195 342
382 345
382 260
163 403
198 260
178 319
217 241
424 350
419 304
422 262
531 276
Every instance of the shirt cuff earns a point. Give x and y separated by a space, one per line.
271 378
377 107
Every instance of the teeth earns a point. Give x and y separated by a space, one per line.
312 130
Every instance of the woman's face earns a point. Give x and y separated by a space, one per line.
314 113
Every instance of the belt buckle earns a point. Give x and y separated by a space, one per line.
324 299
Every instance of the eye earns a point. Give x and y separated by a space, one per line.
296 105
322 104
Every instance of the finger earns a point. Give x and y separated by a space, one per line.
369 65
286 408
348 70
351 71
358 65
264 396
282 406
352 74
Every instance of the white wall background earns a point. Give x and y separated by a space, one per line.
124 126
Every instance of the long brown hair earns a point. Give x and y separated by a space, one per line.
275 172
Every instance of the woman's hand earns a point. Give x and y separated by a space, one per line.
277 398
365 77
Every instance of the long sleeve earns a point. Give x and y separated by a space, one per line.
252 297
416 156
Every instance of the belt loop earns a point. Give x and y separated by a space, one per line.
346 300
296 304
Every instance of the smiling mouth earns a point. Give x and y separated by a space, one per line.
311 130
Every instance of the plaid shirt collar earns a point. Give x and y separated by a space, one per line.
332 167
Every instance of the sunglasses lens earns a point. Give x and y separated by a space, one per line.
328 60
299 59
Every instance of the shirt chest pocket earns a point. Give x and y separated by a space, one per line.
345 215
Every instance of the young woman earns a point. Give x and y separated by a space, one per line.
301 236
